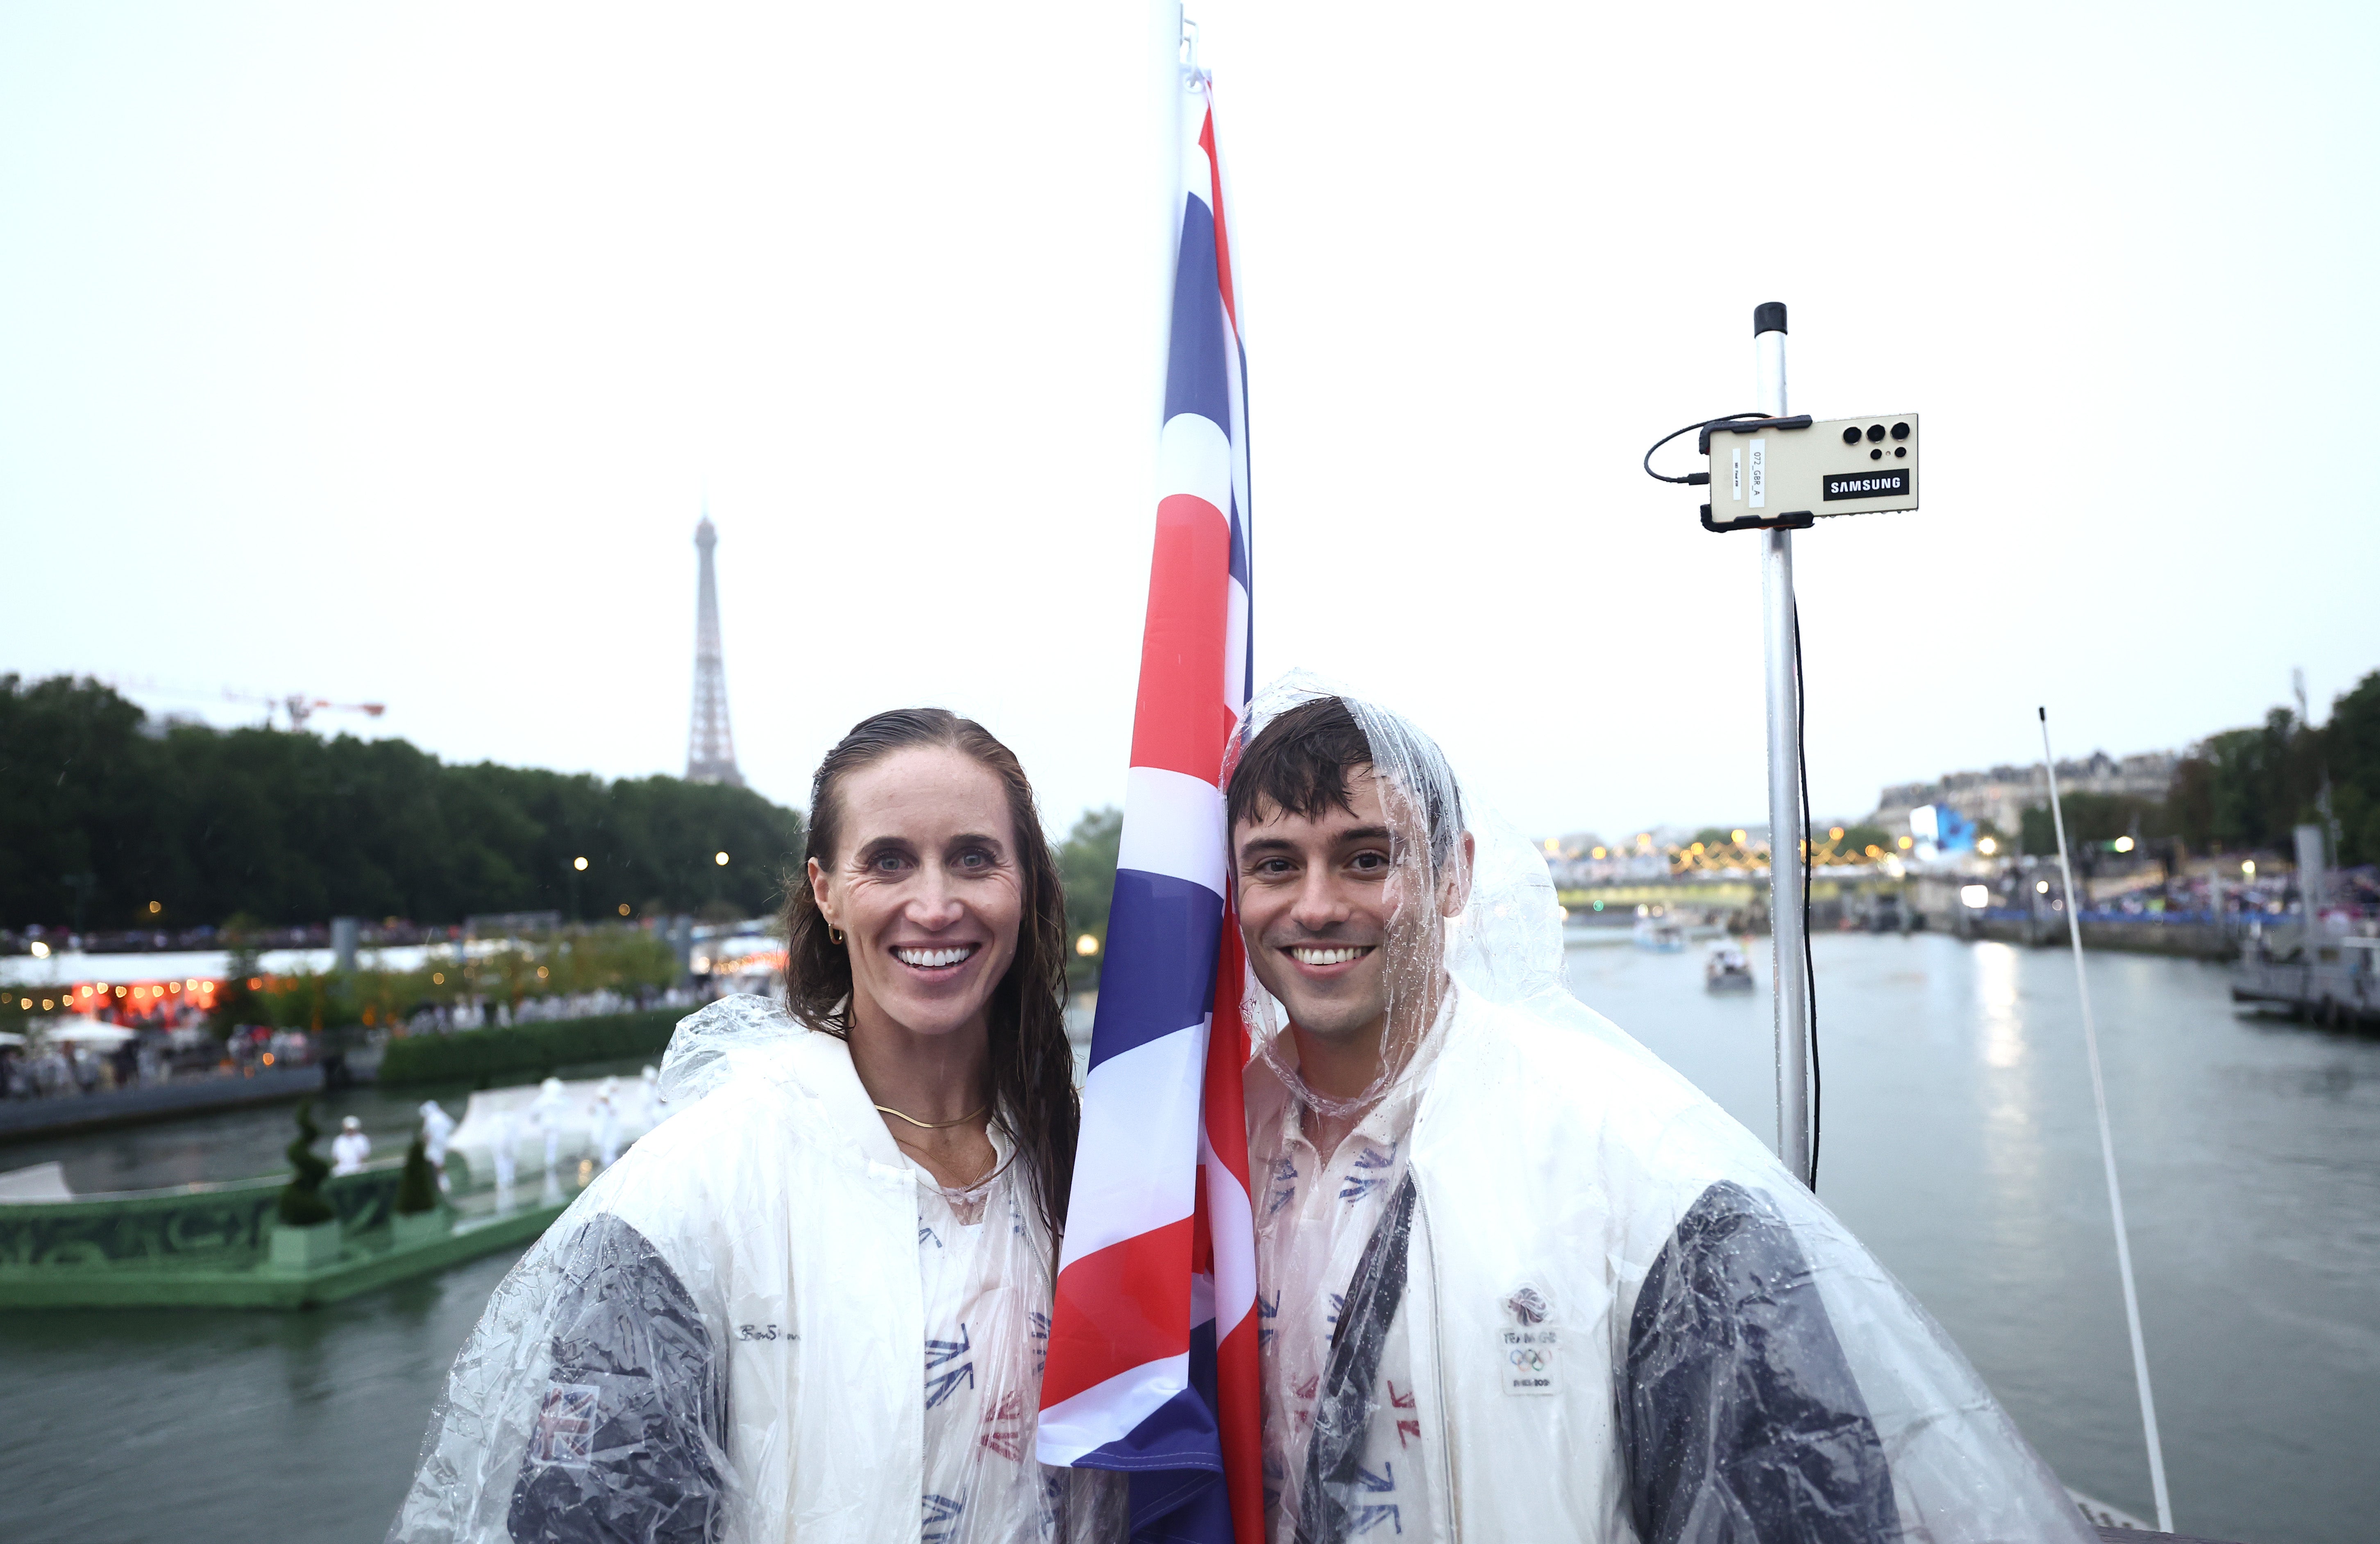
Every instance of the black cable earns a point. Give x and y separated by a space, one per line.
1809 966
1695 479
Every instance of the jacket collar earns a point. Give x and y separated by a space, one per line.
1400 1104
821 1065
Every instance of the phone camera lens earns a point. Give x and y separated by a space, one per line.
1901 431
1851 435
1876 432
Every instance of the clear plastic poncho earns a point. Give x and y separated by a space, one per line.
763 1323
1546 1288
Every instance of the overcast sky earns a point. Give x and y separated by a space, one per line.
389 352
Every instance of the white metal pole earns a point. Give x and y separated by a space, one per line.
1166 91
1787 858
2107 1149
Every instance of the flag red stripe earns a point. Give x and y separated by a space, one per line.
1215 203
1180 723
1224 1106
1125 1304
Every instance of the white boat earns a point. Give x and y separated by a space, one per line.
1663 935
1725 968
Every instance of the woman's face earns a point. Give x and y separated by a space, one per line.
926 889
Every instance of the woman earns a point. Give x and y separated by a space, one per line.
722 1340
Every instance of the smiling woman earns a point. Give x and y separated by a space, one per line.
869 1173
932 937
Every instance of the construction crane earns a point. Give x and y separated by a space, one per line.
299 707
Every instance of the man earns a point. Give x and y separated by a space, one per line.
349 1147
1517 1279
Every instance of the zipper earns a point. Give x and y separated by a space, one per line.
1437 1363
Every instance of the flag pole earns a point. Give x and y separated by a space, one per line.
1165 48
2074 899
1787 854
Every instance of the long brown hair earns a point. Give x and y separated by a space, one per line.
1032 1066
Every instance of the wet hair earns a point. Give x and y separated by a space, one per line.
1032 1065
1301 762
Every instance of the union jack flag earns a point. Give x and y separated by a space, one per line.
1152 1360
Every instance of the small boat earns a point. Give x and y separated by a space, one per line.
1725 969
2330 978
1663 935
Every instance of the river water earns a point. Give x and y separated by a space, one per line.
1958 1141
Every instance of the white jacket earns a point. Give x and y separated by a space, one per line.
1553 1161
721 1338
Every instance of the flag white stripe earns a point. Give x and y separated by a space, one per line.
1174 825
1107 1411
1140 1121
1230 1222
1193 455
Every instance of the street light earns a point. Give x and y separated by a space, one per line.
720 859
579 864
1086 946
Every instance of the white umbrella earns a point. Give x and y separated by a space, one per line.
95 1034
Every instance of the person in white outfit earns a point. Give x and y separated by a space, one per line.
507 1153
349 1147
553 1103
607 1124
1519 1279
814 1303
437 1130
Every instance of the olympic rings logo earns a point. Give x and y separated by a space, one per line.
1531 1361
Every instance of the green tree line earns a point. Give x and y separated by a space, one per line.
2246 790
104 811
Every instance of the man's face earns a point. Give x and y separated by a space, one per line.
1318 901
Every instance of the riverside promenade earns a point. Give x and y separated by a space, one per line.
61 1114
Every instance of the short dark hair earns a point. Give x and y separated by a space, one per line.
1301 761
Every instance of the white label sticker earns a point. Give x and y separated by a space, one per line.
1759 474
1736 488
1525 1360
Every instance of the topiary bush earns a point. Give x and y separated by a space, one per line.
301 1199
417 1189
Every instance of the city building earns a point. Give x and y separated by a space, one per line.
2000 796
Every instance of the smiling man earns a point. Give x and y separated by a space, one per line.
1516 1279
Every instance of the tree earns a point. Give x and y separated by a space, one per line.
2350 750
1086 862
237 1003
2091 818
102 812
417 1188
301 1199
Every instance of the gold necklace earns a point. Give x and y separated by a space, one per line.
932 1126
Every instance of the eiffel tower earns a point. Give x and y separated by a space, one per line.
711 746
